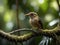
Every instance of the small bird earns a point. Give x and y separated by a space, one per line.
35 20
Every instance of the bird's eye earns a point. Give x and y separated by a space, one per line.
31 14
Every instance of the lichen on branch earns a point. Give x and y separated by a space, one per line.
21 38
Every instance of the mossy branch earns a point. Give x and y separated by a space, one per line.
21 38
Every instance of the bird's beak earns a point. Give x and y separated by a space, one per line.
27 14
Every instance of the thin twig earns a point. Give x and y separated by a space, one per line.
25 29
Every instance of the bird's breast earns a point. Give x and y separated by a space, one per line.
33 22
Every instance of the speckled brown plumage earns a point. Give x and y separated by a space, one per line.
35 20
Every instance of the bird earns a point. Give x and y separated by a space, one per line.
35 21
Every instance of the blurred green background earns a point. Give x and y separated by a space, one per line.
46 9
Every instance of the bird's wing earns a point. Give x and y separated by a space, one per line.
40 24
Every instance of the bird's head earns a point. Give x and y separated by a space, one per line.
31 14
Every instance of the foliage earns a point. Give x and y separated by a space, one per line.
46 9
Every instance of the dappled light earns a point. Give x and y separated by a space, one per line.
21 16
14 7
35 5
45 41
53 22
54 5
1 8
9 26
7 16
13 17
59 13
24 1
49 17
41 1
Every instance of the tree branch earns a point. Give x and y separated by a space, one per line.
21 38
